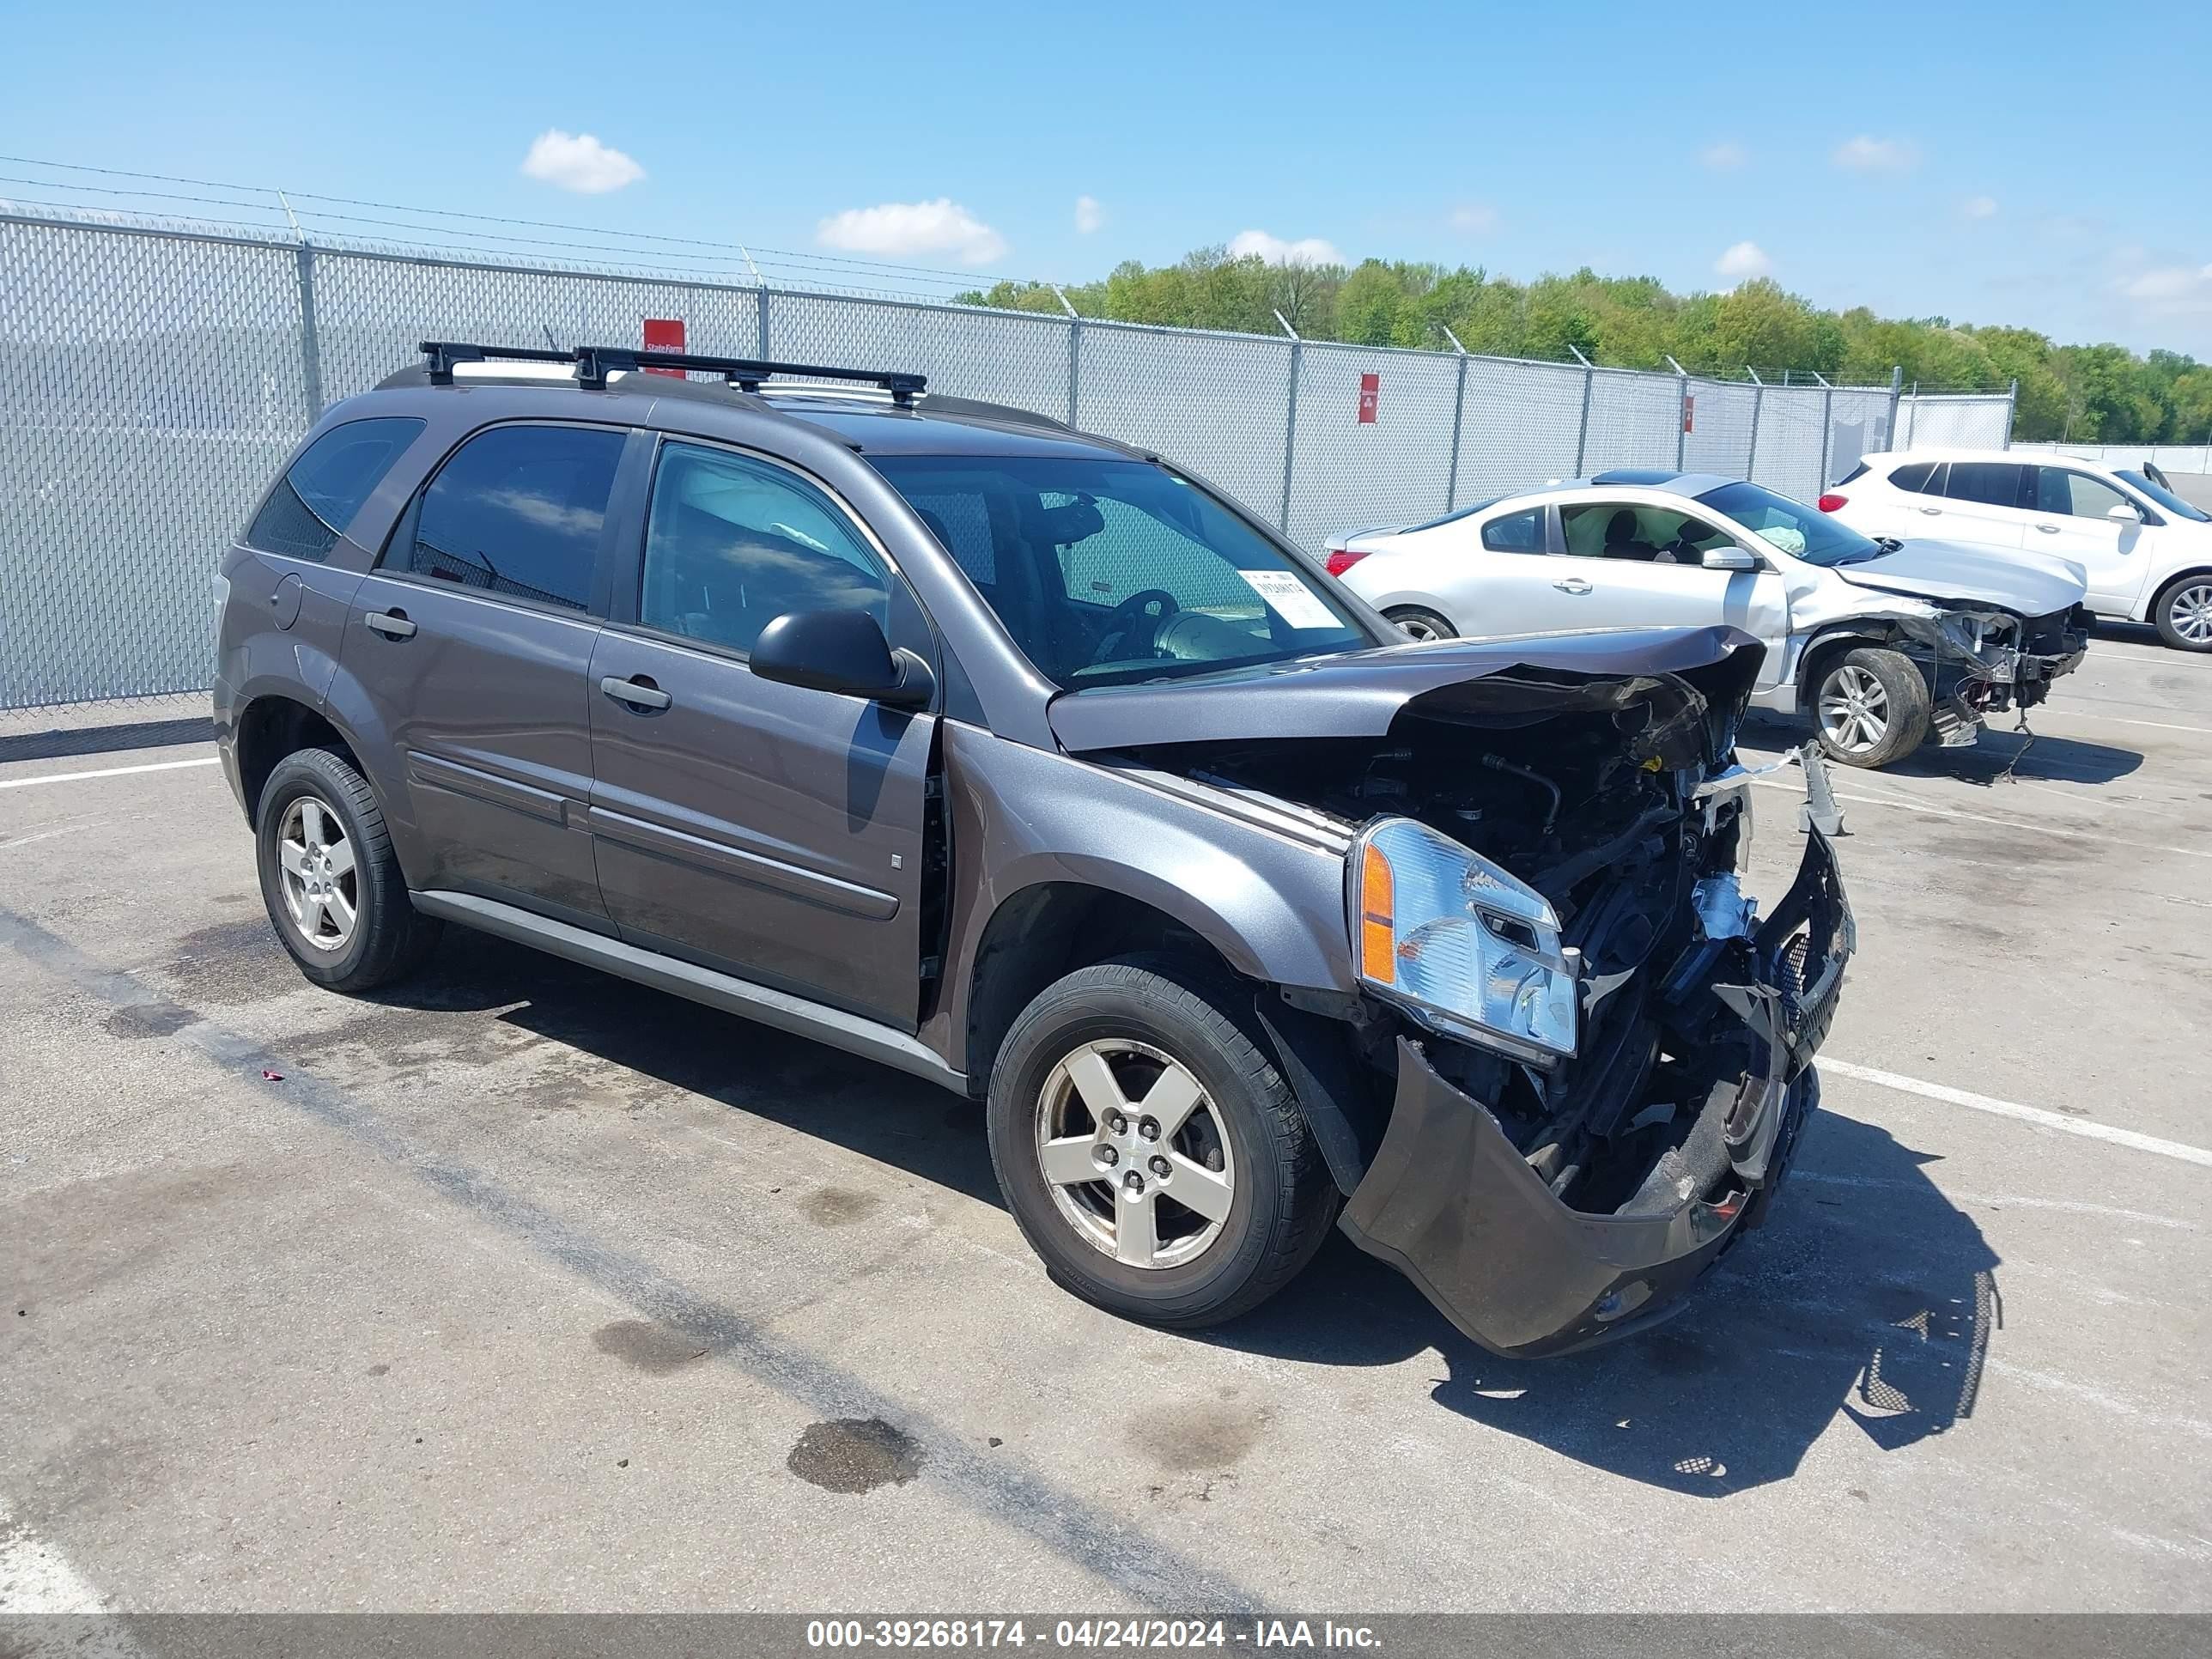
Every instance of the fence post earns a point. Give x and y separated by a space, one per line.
1459 416
1896 396
1827 432
762 293
1751 454
1074 349
1291 435
1581 432
1682 413
2012 411
311 345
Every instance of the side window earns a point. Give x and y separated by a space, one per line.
1914 477
1517 532
2076 495
1607 530
317 497
518 511
732 543
1995 484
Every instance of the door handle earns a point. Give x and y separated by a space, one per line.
638 693
1931 511
393 625
2048 529
1573 585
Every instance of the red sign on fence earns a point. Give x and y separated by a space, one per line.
1689 411
1370 390
665 334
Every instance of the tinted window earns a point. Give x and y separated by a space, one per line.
733 544
1914 477
1517 532
1996 483
518 511
2167 499
2076 495
1110 570
1649 535
315 500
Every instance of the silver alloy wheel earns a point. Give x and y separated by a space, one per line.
322 888
1854 709
1414 628
2190 611
1136 1156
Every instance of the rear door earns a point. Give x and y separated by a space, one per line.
470 642
2070 519
769 831
1980 505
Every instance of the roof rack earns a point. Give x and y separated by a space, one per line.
595 363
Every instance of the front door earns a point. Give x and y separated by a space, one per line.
2071 518
765 830
470 642
1634 565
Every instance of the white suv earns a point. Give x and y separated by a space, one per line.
2146 553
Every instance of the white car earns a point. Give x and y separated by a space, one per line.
1884 642
2146 553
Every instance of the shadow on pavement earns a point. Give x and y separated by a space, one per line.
2008 754
1867 1293
61 741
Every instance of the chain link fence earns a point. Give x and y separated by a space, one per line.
153 377
2172 458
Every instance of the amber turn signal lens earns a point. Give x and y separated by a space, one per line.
1377 961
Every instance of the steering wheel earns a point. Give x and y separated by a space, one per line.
1125 616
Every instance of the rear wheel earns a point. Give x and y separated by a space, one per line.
2183 613
329 878
1871 707
1422 625
1149 1151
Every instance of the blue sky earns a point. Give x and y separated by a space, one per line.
2020 164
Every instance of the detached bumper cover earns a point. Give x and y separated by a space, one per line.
1451 1202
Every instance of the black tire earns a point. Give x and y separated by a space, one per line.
1421 624
2166 610
1281 1201
1904 701
388 939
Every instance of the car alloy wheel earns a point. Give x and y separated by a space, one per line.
321 886
2189 610
1415 628
1134 1154
1853 710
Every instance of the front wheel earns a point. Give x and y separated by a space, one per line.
1871 707
1149 1149
2183 613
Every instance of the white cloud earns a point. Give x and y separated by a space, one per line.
1979 207
579 162
1744 260
1725 156
905 229
1089 216
2171 290
1306 251
1473 219
1865 155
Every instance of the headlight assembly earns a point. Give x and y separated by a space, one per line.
1469 948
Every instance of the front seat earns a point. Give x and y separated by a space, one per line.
1622 539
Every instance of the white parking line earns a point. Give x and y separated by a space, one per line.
106 772
2115 720
2073 1126
1903 805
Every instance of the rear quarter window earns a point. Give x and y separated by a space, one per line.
316 499
1915 477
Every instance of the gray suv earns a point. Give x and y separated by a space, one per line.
1021 760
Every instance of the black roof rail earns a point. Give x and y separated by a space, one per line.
595 363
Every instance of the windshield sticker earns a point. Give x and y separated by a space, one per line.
1288 597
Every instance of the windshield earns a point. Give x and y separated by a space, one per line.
2165 498
1803 532
1106 572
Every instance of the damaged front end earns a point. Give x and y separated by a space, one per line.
1982 661
1582 1060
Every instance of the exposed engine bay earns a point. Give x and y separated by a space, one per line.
1618 801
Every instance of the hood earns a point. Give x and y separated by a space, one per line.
2032 584
1358 694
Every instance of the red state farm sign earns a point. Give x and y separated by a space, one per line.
665 334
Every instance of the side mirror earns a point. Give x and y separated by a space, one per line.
842 651
1731 558
2126 513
